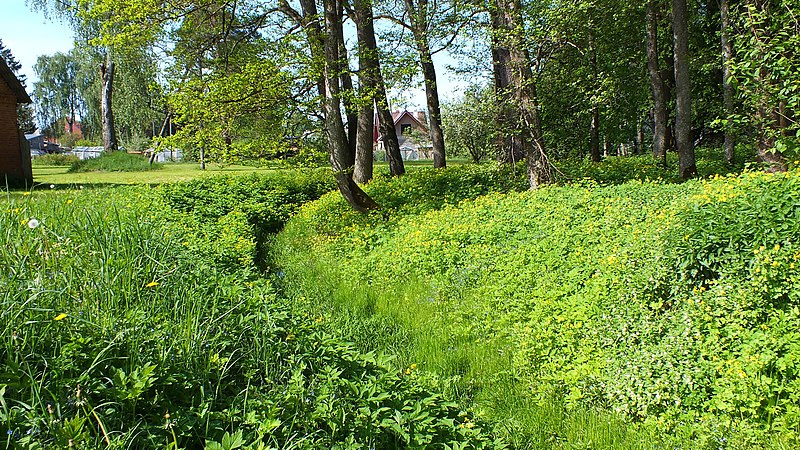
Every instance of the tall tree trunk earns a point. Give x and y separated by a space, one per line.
338 150
391 143
371 80
657 85
683 102
418 13
348 93
367 61
523 88
727 89
509 149
594 129
107 114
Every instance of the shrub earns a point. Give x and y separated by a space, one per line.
114 162
55 159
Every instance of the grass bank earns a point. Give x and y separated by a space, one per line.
635 315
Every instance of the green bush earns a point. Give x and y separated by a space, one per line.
114 162
55 159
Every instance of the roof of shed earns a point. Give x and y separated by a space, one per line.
13 82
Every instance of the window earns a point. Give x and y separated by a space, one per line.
404 129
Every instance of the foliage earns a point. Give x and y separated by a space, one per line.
245 211
672 305
54 159
219 115
114 162
617 169
469 125
122 333
764 39
56 92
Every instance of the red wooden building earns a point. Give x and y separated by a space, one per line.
15 155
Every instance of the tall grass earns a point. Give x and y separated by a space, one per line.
122 329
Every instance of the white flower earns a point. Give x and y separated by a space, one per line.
52 186
33 223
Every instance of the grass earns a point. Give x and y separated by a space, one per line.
121 329
169 173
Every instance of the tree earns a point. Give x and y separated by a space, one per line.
469 124
56 92
683 104
87 27
25 113
509 33
729 145
373 98
658 86
766 36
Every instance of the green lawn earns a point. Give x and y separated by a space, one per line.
59 176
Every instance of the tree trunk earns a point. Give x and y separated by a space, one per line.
594 129
367 62
418 13
371 79
523 88
509 150
727 89
338 150
107 114
639 138
391 144
683 104
657 85
350 109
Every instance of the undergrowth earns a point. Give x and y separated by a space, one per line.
121 329
657 315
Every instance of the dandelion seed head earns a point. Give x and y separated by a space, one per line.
33 223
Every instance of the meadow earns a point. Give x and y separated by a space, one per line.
618 309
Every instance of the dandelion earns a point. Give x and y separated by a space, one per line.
151 284
33 223
61 316
52 186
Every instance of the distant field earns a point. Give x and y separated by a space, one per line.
172 172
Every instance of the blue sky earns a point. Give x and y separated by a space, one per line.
29 34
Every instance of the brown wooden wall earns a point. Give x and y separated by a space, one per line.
14 165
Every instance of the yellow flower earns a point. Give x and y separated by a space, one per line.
152 283
61 316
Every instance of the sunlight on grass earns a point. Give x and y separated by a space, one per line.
58 175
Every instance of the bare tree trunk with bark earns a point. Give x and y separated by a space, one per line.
727 89
683 103
418 13
657 85
106 113
338 150
374 99
523 87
